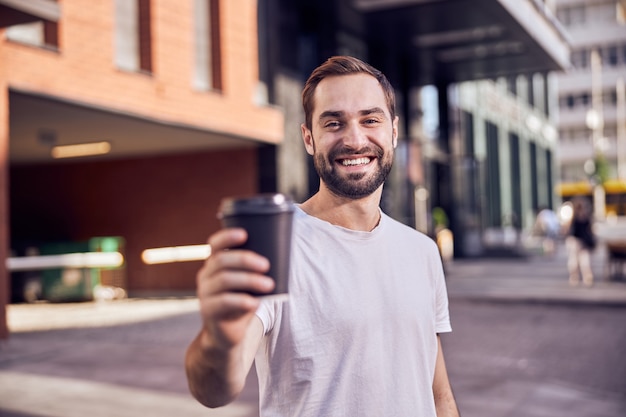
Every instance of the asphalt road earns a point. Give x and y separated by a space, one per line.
524 344
505 359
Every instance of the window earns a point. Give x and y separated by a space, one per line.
577 15
534 189
494 207
583 100
549 177
531 91
572 16
511 84
604 12
581 135
610 97
43 34
473 175
145 36
468 119
540 93
516 177
133 35
610 131
547 96
207 70
612 56
580 58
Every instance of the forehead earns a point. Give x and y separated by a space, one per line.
349 93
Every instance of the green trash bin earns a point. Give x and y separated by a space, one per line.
114 277
70 284
66 283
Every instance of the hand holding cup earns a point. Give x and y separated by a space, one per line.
268 221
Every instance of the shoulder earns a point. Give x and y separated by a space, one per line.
302 219
408 234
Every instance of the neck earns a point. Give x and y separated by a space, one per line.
362 214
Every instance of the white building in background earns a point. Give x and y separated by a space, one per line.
505 172
589 96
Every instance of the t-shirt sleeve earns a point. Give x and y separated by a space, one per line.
267 312
442 313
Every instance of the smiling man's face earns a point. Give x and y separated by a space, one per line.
352 137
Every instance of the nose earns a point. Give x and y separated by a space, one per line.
354 136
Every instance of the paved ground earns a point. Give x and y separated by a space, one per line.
124 358
534 279
515 359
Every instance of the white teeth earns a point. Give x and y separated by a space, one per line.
353 162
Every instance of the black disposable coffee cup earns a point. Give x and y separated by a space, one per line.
268 219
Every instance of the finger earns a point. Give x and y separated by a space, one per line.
227 238
238 259
230 305
235 281
230 238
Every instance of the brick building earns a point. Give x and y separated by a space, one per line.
167 86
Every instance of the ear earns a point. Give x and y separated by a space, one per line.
307 138
394 133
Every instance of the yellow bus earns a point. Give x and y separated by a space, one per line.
615 194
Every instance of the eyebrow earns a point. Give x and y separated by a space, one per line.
339 113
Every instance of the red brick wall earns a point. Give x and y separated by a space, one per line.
84 69
151 202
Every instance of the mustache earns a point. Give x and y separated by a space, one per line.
348 151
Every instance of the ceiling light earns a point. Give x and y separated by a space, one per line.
483 50
80 149
453 37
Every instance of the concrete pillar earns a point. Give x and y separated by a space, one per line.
443 173
5 284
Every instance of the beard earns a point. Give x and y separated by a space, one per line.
355 185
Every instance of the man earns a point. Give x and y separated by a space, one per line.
359 335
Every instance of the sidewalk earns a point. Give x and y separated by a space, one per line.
119 358
538 278
125 358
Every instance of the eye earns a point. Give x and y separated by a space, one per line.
332 124
371 121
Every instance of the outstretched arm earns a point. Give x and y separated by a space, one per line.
219 358
216 376
445 403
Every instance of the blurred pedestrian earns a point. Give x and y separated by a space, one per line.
580 242
547 227
359 335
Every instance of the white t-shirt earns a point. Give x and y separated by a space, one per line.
358 335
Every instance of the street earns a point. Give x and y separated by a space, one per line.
524 344
502 356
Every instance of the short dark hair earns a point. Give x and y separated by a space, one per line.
344 65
